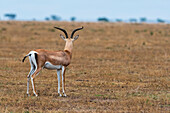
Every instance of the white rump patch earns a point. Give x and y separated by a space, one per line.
32 52
48 65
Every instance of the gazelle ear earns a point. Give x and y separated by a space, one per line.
75 38
62 37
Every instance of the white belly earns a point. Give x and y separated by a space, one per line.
48 65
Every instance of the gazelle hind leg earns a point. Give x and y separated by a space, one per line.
36 72
32 70
33 78
63 80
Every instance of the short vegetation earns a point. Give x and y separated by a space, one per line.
116 67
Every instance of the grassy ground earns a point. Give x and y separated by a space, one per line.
115 67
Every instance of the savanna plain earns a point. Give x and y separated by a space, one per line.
115 67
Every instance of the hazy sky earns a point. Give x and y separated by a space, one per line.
86 9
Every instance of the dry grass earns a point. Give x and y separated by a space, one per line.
115 68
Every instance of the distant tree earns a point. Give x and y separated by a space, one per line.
103 19
10 16
160 20
56 18
47 18
73 18
143 19
33 19
118 20
133 20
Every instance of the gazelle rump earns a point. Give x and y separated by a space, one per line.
57 60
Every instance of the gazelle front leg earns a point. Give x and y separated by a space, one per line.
63 80
58 76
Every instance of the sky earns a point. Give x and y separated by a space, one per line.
86 10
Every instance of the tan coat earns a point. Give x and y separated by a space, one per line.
54 57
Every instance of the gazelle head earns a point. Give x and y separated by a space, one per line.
69 40
72 34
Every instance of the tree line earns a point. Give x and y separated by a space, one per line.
12 16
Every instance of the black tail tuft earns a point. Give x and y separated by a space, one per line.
25 57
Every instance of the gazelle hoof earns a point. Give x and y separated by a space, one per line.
64 95
36 95
60 95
